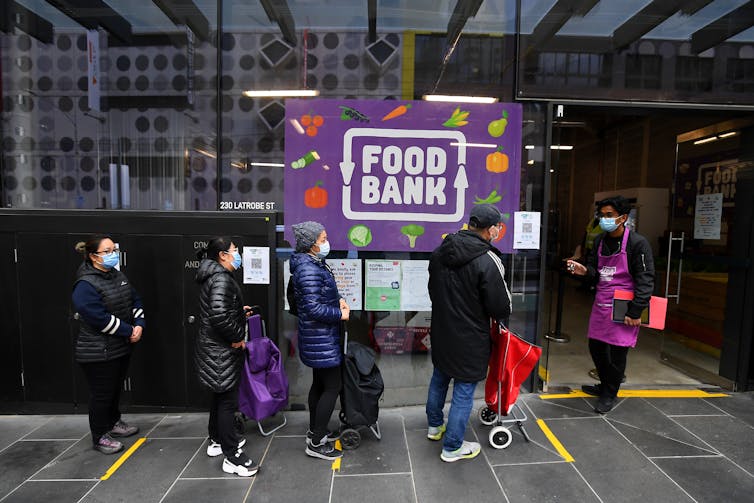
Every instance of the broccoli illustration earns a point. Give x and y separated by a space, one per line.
412 231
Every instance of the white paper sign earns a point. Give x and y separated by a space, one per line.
256 265
526 225
347 274
92 59
708 214
286 279
415 277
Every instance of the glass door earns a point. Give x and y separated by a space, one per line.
697 259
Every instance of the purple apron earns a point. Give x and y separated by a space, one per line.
614 275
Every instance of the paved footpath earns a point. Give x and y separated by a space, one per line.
651 448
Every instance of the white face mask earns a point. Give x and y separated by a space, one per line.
494 233
324 249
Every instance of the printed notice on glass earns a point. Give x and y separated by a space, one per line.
526 226
415 276
383 285
286 279
347 274
708 215
256 265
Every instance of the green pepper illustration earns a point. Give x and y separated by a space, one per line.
492 198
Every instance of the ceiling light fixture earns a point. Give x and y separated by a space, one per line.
705 140
728 134
481 145
529 147
561 147
282 93
459 99
268 164
209 154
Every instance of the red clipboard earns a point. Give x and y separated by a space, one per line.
658 308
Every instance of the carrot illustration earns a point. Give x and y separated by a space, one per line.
397 112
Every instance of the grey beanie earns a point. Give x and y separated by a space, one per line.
306 234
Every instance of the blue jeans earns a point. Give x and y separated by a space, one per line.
460 407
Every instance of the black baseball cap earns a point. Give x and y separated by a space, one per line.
484 215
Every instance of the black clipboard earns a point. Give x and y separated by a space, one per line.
620 308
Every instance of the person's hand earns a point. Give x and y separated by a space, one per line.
136 334
631 322
240 344
248 311
575 268
345 313
344 304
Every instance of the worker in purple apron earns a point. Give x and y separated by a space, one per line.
620 260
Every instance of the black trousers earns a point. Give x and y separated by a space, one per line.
221 425
610 361
105 380
326 384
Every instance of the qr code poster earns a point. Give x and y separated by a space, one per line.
526 226
256 265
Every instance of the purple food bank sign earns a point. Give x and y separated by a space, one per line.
398 175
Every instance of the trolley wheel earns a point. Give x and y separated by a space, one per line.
500 437
487 416
350 439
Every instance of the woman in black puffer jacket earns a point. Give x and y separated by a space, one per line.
220 349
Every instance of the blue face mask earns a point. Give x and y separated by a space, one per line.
324 249
110 260
608 224
236 260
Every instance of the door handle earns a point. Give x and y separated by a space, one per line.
191 319
677 294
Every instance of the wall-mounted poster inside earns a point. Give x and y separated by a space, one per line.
397 176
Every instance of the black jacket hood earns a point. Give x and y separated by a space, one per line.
462 247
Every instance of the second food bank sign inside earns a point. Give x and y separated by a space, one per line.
391 176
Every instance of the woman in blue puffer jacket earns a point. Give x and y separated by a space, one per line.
320 311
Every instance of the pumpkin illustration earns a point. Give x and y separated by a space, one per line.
497 162
315 197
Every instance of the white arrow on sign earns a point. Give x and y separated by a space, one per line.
460 183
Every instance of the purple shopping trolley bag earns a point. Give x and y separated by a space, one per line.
263 390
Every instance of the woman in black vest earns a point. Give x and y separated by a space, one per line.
220 349
112 321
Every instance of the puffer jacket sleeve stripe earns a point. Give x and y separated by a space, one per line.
138 313
115 328
494 291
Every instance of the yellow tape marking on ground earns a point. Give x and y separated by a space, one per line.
642 393
555 442
336 462
123 458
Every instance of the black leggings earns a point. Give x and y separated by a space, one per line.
105 380
610 361
325 388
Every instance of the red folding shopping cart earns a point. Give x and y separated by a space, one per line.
511 361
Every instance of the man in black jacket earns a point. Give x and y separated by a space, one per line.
620 260
467 288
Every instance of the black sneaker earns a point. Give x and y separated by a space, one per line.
604 405
325 450
594 390
106 445
331 436
240 464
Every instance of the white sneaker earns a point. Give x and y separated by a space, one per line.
240 464
467 450
215 449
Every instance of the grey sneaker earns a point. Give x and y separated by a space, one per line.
331 436
123 429
215 449
240 464
106 445
324 450
467 450
435 432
